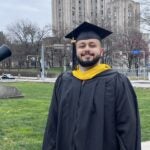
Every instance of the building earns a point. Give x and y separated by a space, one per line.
146 37
117 15
122 15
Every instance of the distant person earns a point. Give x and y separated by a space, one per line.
136 69
93 107
70 65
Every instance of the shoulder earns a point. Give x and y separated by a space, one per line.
63 80
63 76
111 75
117 79
124 85
122 79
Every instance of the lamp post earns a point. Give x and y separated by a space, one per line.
42 63
144 65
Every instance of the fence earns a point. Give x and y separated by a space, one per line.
138 74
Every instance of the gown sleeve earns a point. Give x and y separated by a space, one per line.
49 141
127 116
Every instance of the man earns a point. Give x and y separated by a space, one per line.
93 107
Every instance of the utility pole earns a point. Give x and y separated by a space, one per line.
42 63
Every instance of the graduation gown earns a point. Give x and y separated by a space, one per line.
96 114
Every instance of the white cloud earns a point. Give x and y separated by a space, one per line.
37 11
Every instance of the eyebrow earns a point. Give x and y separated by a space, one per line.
91 42
80 43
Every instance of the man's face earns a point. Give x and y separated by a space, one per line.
88 52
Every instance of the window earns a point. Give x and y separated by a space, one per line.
108 14
130 15
115 13
73 13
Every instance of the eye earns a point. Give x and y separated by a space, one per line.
92 45
81 46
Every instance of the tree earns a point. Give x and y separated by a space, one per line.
27 39
145 14
128 42
61 52
3 38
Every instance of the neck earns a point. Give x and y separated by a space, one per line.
86 68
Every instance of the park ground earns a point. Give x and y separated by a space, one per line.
23 119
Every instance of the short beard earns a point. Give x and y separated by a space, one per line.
88 63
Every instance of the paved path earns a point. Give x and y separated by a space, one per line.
146 145
141 83
135 83
29 79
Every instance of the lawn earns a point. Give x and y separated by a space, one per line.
23 120
144 106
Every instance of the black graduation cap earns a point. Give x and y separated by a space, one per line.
86 31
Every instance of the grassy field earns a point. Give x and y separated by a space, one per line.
22 120
144 106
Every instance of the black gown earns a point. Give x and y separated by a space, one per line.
96 114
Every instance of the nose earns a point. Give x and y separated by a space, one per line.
86 51
87 47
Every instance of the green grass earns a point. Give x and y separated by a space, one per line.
53 70
23 120
143 95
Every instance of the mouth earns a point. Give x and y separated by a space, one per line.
87 54
87 57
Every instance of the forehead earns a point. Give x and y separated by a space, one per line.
88 41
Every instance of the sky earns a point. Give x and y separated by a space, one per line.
36 11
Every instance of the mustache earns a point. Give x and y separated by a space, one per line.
87 53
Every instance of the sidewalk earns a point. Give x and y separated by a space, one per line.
35 79
30 79
135 83
141 83
146 145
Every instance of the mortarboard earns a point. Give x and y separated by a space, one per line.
86 31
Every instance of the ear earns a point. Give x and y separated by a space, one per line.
101 51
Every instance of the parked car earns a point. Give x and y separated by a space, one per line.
7 76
